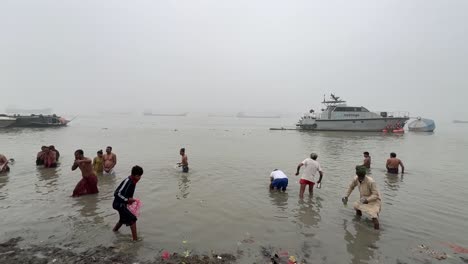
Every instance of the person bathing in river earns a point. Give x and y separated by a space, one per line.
393 163
88 184
110 160
123 196
311 168
57 153
49 158
4 164
98 162
279 180
370 201
367 160
40 156
184 162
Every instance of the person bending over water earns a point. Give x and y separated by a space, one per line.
370 201
110 160
98 162
311 167
184 162
393 163
279 180
4 164
123 196
88 184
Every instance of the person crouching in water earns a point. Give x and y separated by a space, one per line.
123 196
370 201
279 180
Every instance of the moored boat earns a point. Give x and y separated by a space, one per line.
149 113
460 121
422 125
38 121
243 115
338 116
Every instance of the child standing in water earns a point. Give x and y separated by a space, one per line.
123 196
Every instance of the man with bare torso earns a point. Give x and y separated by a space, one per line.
393 163
4 164
110 160
367 160
40 156
184 162
49 158
88 183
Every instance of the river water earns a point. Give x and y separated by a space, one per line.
223 204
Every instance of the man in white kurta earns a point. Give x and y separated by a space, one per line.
370 201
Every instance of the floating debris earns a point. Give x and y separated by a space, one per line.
457 249
166 255
292 260
439 255
248 241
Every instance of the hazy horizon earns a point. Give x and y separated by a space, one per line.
230 56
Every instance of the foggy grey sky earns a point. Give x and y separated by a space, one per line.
229 56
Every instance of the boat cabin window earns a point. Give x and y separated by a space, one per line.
350 109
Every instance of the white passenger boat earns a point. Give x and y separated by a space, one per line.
338 116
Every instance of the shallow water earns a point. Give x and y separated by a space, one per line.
223 204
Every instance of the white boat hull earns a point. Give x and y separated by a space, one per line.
6 123
422 125
370 125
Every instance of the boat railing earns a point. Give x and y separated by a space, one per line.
401 114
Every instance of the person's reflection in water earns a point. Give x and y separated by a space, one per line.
3 183
279 199
308 212
184 185
391 182
88 206
48 180
362 245
107 185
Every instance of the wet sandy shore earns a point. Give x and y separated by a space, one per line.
12 253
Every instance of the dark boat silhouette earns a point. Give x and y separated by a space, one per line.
460 121
243 115
157 114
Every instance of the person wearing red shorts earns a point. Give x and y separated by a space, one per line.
311 167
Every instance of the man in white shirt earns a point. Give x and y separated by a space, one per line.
279 180
311 167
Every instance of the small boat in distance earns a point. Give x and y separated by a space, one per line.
149 113
243 115
338 116
460 121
